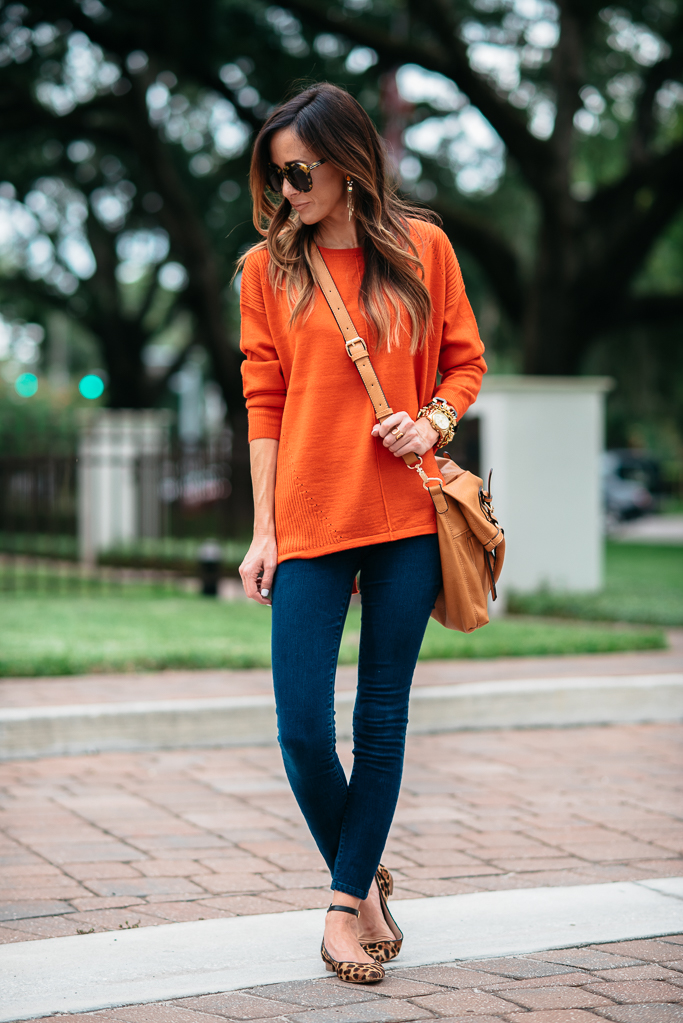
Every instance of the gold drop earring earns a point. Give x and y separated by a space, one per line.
349 195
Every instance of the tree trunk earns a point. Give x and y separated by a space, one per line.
127 373
551 331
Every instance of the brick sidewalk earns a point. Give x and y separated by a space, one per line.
125 840
628 982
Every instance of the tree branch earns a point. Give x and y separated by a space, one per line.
627 217
616 248
103 286
447 56
19 286
146 304
496 258
156 387
178 55
566 75
178 215
669 67
649 309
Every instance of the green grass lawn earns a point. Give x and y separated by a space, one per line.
143 629
643 583
75 635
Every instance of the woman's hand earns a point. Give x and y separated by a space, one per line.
258 568
402 435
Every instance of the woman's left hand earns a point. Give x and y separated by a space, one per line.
402 435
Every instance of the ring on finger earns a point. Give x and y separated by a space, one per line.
397 433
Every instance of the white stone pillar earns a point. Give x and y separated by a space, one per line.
543 437
118 450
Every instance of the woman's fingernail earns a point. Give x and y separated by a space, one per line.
264 593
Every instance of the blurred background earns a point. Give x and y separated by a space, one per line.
548 137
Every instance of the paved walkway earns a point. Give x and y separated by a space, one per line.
628 982
666 529
112 841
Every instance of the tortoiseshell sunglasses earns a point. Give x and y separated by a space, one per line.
297 173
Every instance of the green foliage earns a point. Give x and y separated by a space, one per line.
91 152
613 73
168 559
69 579
535 638
41 545
45 423
643 584
67 635
173 553
645 409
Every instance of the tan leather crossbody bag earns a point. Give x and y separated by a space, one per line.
471 543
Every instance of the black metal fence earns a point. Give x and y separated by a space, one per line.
107 518
100 520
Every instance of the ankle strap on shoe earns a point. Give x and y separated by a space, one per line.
345 909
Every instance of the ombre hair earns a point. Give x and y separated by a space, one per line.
335 127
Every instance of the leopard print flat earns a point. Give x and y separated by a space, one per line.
352 973
385 881
386 948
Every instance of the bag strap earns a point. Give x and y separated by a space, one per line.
356 348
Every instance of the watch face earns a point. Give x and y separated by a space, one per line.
440 420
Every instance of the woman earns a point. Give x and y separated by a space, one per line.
332 494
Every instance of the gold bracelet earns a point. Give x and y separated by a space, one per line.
443 418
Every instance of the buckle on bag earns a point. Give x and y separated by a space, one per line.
355 341
426 480
432 479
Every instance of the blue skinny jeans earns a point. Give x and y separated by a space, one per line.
399 584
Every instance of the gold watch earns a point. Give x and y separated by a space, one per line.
443 418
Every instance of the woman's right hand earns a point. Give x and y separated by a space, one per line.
257 571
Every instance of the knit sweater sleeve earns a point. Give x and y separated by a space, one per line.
461 362
262 378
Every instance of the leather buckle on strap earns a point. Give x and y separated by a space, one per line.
355 341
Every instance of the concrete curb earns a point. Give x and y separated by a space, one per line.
250 720
85 973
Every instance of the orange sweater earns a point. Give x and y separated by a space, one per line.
337 487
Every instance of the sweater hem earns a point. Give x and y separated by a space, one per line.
360 541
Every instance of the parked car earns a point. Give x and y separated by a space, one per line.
631 482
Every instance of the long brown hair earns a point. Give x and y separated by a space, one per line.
334 125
